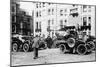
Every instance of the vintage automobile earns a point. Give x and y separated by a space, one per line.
27 44
42 43
75 43
24 43
21 43
16 44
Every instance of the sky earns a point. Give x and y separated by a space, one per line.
27 6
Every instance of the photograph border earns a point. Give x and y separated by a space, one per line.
48 63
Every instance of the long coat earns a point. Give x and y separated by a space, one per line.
49 41
36 42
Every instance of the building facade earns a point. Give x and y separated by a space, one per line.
48 18
88 18
21 22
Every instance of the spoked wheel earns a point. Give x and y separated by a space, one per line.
42 46
62 48
45 46
90 45
26 47
15 47
81 49
71 42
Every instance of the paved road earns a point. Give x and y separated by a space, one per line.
48 56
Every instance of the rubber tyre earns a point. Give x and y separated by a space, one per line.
15 47
71 42
62 48
43 46
81 49
91 46
26 47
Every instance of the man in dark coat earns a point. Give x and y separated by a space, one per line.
49 42
36 46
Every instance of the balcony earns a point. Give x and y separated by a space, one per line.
37 30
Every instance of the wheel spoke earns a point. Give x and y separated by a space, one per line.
81 49
15 48
25 47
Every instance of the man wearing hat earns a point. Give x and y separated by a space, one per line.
36 46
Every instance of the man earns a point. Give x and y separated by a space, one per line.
36 46
49 42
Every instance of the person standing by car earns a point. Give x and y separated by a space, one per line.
36 46
49 42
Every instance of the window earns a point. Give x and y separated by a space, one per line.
89 6
48 22
89 9
65 21
49 3
48 29
28 19
36 25
13 18
61 23
84 21
89 18
61 14
39 25
65 12
73 5
37 5
52 11
14 28
13 9
37 14
43 4
52 21
21 25
40 13
49 11
84 8
40 5
89 26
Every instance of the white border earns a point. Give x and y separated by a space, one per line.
5 33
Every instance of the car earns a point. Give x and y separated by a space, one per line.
75 43
16 43
21 43
24 43
42 43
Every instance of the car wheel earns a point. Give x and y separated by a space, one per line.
90 45
62 48
42 46
81 49
45 46
71 42
26 47
15 47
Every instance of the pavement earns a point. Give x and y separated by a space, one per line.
48 56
